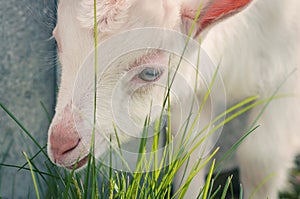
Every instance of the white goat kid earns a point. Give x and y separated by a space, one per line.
257 47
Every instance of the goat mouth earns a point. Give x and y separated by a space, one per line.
79 164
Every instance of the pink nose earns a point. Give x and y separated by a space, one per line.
64 137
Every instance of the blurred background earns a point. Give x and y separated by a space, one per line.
27 87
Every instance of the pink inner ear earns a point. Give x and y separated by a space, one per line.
214 11
219 9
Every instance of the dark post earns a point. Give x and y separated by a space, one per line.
27 80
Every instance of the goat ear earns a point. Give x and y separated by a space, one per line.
212 11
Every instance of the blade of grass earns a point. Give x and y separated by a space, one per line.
18 167
87 179
208 180
210 189
69 181
79 195
214 195
32 158
234 147
228 182
241 192
23 128
184 49
111 186
46 111
261 184
92 149
33 176
181 191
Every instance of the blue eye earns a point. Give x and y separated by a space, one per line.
150 74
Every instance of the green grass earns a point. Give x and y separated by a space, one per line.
117 184
100 181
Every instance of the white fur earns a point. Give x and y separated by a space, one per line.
257 50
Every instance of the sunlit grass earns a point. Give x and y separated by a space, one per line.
150 184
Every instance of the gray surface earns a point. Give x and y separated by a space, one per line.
27 77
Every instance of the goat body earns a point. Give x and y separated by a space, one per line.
256 44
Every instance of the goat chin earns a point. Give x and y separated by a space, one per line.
256 45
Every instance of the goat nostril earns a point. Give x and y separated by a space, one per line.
72 148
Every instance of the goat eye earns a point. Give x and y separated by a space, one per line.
150 74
